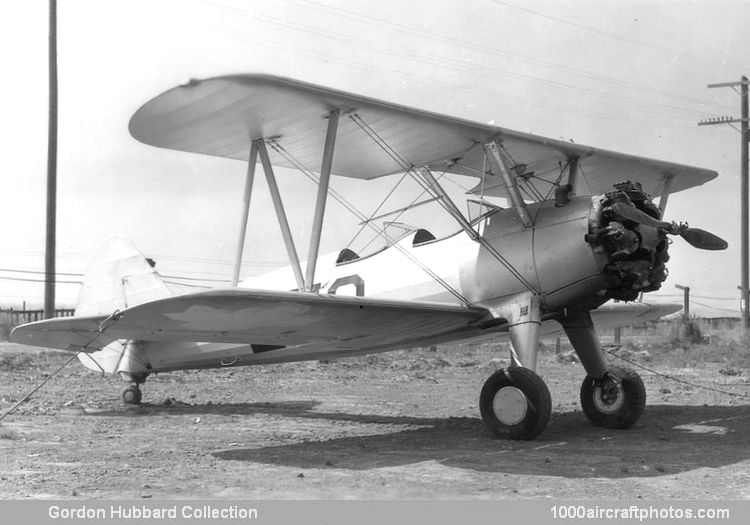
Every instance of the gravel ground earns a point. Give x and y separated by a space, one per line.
396 426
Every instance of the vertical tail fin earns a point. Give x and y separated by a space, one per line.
118 277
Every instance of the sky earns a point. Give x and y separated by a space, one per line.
628 76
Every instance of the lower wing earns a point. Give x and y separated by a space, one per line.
291 319
260 317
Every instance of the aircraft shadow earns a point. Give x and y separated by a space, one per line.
666 440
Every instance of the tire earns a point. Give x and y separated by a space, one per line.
515 403
131 395
617 401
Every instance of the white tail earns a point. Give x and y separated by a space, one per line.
118 277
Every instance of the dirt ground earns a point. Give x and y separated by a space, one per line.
394 426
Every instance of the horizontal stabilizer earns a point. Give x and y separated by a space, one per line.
77 334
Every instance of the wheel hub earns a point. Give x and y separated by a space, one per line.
509 405
609 396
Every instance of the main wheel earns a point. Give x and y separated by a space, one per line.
515 403
131 395
616 401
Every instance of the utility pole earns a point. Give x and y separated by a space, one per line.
744 136
49 256
685 301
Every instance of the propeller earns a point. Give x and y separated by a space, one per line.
694 236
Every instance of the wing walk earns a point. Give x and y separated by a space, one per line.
222 116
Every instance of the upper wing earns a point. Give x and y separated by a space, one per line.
261 317
222 116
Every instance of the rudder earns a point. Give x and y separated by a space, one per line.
118 277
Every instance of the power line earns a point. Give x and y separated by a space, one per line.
204 260
196 279
503 53
37 280
82 275
650 47
717 308
463 67
530 102
40 272
701 297
186 285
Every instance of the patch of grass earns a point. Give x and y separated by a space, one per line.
730 348
13 361
9 434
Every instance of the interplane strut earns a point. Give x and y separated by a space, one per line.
665 191
281 214
320 204
251 162
499 163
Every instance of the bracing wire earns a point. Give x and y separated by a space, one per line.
667 376
382 203
103 326
422 177
39 386
290 158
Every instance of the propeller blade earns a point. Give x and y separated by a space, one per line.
632 213
695 236
703 239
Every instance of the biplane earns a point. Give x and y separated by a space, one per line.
578 238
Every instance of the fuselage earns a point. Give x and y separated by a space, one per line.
553 257
574 256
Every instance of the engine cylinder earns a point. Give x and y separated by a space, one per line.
632 256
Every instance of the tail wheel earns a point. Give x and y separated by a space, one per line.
131 395
515 403
616 401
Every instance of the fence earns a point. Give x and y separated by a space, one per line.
17 317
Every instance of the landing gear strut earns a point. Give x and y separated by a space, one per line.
611 396
515 402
